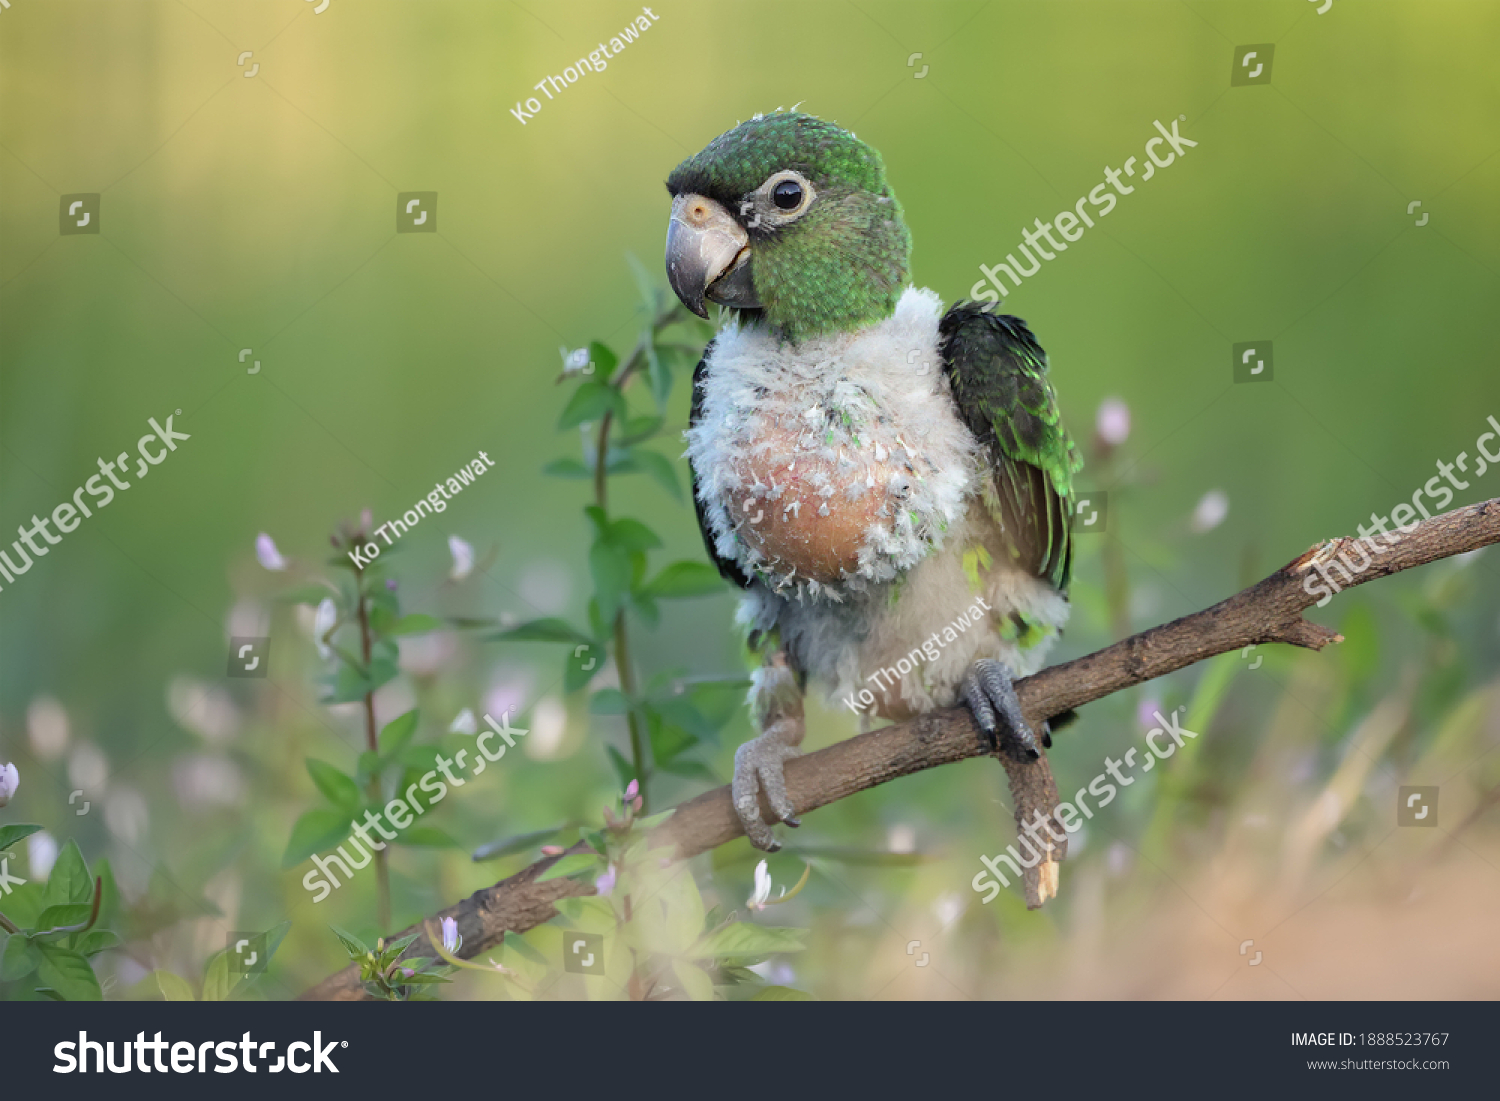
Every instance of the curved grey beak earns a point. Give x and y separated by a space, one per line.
708 256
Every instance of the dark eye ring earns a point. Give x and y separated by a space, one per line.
787 195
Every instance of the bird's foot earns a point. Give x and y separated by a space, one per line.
991 696
758 767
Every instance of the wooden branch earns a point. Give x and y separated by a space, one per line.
1270 611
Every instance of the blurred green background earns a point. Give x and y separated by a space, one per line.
259 212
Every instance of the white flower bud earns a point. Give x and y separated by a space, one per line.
1211 511
463 558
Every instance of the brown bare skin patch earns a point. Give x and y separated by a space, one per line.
786 528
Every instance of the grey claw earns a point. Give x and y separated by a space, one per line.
791 821
757 768
991 696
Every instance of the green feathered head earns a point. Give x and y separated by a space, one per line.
789 219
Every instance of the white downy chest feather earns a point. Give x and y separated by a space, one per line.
858 435
834 464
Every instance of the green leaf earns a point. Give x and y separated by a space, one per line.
623 768
603 359
745 939
640 428
216 980
18 831
684 579
315 831
97 940
508 846
397 733
667 741
651 821
646 608
356 948
19 958
589 402
69 974
542 630
659 371
609 566
609 701
345 686
681 711
694 980
420 977
69 881
570 865
428 837
567 468
646 284
633 535
516 944
415 624
367 764
690 770
337 788
72 913
590 913
394 948
660 469
382 672
781 994
583 665
274 936
174 988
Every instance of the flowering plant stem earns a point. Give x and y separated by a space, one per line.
622 376
372 742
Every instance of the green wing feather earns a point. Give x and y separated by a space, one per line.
998 376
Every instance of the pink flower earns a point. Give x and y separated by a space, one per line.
266 552
450 935
1113 422
632 790
606 882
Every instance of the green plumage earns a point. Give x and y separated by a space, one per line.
844 264
998 376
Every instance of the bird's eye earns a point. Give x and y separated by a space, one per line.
787 195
